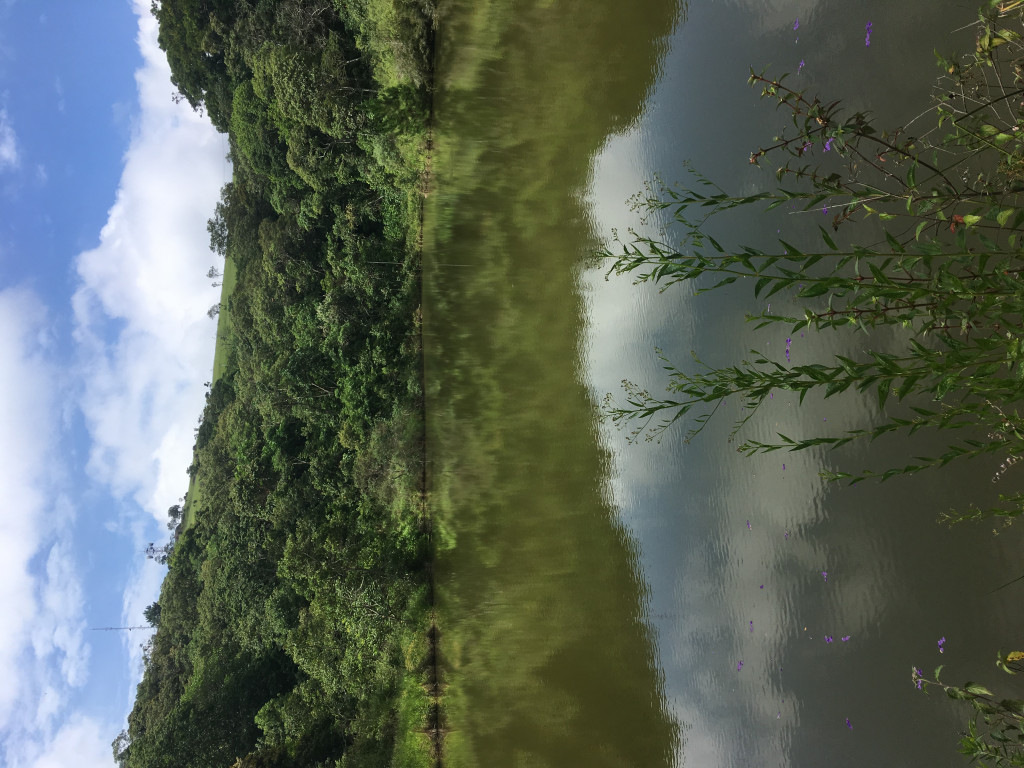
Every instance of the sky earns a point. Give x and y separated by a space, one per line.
106 186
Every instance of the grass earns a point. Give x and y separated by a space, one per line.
415 745
221 351
221 356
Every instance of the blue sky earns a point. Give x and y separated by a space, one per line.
105 189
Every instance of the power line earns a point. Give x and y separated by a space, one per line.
111 629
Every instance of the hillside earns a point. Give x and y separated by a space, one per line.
292 624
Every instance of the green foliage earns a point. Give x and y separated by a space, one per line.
947 273
193 35
995 732
297 577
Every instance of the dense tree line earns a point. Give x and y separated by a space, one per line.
291 626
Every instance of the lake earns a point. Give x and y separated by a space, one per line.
596 598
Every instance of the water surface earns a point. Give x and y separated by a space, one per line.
596 597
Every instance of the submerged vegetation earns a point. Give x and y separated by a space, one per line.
292 627
924 240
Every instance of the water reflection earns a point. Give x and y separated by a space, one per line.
547 651
722 592
597 599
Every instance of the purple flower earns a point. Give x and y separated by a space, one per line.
748 525
783 467
828 638
796 25
867 36
917 678
942 642
800 67
824 575
751 626
845 638
787 535
849 724
739 666
828 144
762 586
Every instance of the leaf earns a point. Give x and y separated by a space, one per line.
919 230
977 690
893 242
971 219
1014 705
828 240
883 394
1004 216
793 251
814 289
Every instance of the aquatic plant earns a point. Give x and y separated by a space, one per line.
943 263
995 733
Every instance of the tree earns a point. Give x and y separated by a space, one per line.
174 515
120 746
152 614
193 34
160 554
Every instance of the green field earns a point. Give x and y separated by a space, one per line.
221 357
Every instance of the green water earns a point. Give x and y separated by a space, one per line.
545 649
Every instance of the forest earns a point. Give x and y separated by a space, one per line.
294 623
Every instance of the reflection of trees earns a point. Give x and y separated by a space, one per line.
548 657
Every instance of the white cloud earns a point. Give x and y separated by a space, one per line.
25 394
43 654
9 156
146 343
61 623
81 742
143 588
141 308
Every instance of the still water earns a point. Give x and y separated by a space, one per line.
596 598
